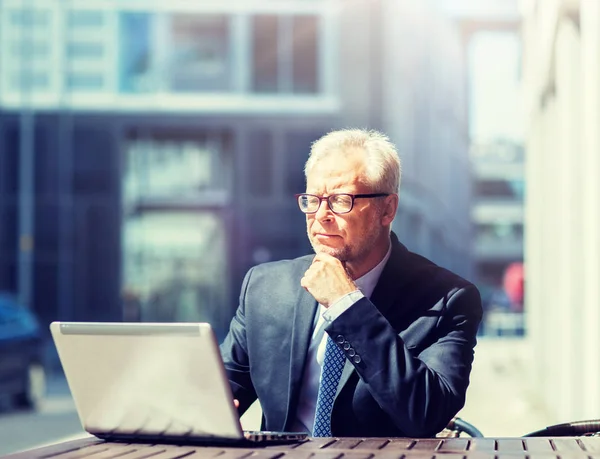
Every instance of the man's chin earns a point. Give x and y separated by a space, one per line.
337 252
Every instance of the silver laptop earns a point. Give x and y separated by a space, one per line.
162 382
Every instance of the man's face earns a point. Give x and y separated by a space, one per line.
348 237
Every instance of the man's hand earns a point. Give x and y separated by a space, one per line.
327 280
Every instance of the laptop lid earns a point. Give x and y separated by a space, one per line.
147 380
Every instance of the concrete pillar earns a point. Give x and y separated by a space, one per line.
547 232
533 254
589 231
568 221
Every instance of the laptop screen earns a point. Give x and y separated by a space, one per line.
147 379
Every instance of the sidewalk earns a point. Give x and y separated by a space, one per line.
500 399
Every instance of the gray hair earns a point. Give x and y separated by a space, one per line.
382 162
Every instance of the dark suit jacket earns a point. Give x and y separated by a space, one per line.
414 339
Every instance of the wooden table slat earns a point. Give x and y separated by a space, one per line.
510 444
399 444
356 455
591 444
521 455
426 444
482 444
335 448
538 445
113 450
54 450
567 444
344 443
140 453
454 444
449 456
172 452
372 444
86 451
305 454
477 455
315 443
234 453
265 454
143 452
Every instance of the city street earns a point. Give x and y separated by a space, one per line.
56 419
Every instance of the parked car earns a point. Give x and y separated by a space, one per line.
22 375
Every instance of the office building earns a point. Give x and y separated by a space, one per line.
163 142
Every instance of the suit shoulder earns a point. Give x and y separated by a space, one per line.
283 267
430 273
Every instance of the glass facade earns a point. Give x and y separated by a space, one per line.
199 55
265 54
500 188
305 53
168 52
175 268
285 52
134 53
175 186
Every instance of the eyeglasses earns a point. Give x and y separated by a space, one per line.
339 203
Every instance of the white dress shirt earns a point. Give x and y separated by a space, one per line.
307 402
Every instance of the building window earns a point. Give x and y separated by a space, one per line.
176 165
175 256
135 64
175 267
85 50
85 81
260 164
29 17
200 53
498 188
305 54
30 81
85 18
29 49
499 232
265 54
285 53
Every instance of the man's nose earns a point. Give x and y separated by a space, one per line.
323 211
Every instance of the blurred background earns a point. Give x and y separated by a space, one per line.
149 153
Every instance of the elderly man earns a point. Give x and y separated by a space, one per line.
364 338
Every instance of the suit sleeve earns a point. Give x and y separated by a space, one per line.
234 350
420 390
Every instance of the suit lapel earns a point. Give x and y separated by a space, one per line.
396 272
302 329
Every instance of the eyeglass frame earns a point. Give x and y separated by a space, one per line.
327 198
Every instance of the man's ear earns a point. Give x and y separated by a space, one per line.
389 209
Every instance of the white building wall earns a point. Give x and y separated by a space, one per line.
590 200
562 246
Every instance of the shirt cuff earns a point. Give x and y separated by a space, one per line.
341 305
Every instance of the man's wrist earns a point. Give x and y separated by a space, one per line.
338 307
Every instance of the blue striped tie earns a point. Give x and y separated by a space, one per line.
333 363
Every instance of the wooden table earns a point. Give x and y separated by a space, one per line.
336 448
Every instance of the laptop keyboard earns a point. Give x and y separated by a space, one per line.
344 448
